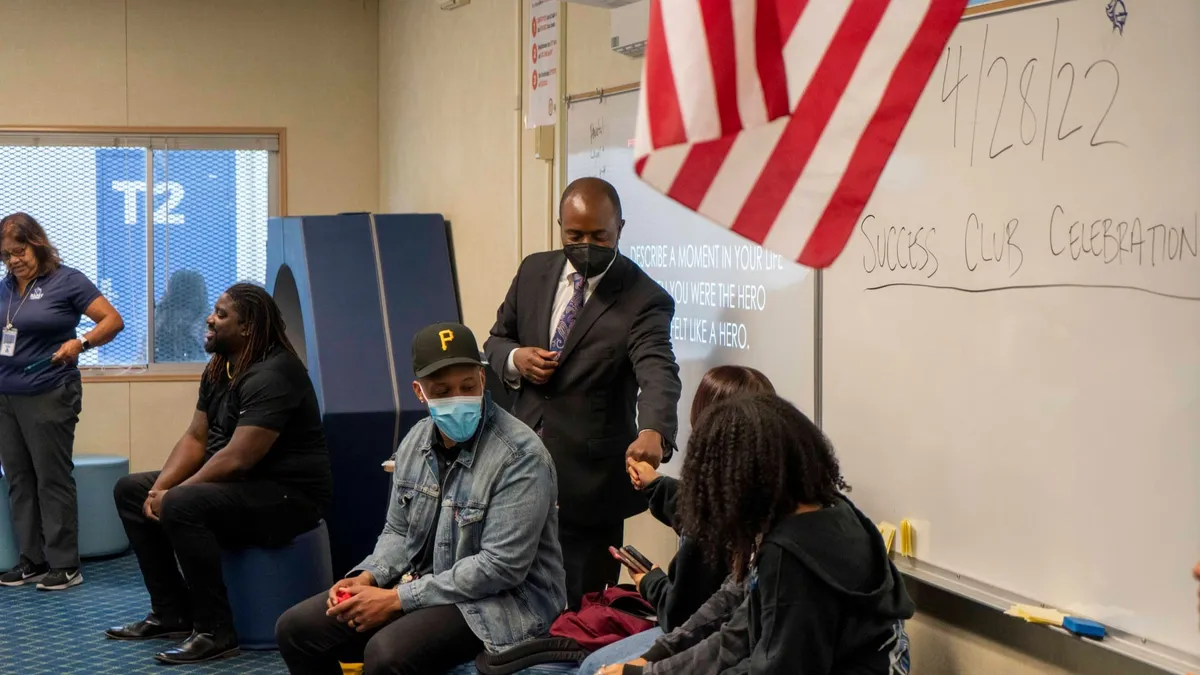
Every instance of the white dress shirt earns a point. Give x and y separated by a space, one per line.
562 298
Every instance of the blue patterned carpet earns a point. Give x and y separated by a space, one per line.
62 633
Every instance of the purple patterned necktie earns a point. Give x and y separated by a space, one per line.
563 330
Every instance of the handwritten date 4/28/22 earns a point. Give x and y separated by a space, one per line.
1027 100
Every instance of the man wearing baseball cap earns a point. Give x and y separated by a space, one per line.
469 557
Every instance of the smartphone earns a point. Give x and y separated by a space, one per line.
641 559
627 560
39 366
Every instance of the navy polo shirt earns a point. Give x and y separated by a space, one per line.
49 317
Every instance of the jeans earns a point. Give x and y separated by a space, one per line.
621 651
196 522
426 642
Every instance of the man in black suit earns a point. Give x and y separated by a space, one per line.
584 338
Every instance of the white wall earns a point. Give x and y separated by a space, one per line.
308 66
447 100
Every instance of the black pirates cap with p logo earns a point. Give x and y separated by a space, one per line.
441 345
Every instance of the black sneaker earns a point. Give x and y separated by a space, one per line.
61 580
24 573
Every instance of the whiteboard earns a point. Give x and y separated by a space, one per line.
735 303
1012 337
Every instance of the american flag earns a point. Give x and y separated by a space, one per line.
774 118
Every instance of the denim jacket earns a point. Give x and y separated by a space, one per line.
496 549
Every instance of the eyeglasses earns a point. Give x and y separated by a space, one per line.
15 253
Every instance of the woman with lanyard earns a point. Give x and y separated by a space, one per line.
41 396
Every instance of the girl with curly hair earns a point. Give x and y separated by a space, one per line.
763 492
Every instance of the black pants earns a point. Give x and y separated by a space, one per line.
196 522
429 641
37 439
589 565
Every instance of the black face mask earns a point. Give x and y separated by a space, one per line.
589 259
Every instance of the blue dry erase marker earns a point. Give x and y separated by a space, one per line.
39 366
1084 627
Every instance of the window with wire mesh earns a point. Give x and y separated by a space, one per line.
209 210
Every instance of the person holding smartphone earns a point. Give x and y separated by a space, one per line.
821 594
690 579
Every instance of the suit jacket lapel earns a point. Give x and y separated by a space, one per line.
604 296
547 286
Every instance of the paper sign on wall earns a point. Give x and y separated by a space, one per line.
542 63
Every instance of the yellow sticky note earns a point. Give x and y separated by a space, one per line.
888 532
906 538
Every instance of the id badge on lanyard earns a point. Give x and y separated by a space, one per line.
8 346
9 343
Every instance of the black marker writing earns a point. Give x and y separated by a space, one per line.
1012 121
1034 287
894 248
991 244
1119 241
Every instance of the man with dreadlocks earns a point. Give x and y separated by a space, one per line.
252 469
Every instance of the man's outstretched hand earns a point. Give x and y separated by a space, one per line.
647 447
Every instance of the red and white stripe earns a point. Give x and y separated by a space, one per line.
774 118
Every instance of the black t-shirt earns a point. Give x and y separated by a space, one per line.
445 457
274 394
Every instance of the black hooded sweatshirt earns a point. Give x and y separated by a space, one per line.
690 578
826 599
823 598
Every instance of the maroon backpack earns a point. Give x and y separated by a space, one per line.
605 617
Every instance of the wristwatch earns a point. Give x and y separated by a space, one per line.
86 345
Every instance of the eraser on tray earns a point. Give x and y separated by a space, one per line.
1032 614
1084 627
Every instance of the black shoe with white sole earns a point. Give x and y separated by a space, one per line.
61 580
24 573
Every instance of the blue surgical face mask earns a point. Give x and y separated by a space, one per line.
457 416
